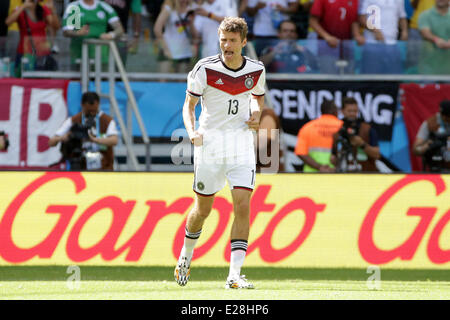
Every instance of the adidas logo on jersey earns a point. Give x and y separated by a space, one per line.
219 81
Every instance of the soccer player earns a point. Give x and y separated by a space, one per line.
231 87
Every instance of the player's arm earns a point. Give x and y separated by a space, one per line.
256 106
189 119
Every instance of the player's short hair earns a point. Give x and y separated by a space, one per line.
234 24
348 100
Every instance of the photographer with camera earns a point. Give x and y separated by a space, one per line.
4 142
355 145
88 137
433 140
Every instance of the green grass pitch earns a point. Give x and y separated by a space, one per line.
207 283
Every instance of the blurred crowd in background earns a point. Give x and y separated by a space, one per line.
289 36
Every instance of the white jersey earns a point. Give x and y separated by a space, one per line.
225 93
225 99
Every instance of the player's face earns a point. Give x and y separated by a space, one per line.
350 111
2 143
231 45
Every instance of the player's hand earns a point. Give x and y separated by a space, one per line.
253 122
197 139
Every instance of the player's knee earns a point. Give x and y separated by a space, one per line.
203 211
242 207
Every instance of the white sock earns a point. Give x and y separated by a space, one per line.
238 252
190 240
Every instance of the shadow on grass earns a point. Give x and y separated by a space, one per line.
155 273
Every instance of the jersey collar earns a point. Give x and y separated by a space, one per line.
244 61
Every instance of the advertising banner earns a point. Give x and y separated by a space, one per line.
297 102
30 113
419 103
60 218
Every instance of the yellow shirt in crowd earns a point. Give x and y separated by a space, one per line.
421 7
12 5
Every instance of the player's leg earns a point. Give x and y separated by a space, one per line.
194 224
239 238
242 181
208 180
195 220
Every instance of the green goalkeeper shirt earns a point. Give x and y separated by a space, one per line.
97 16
